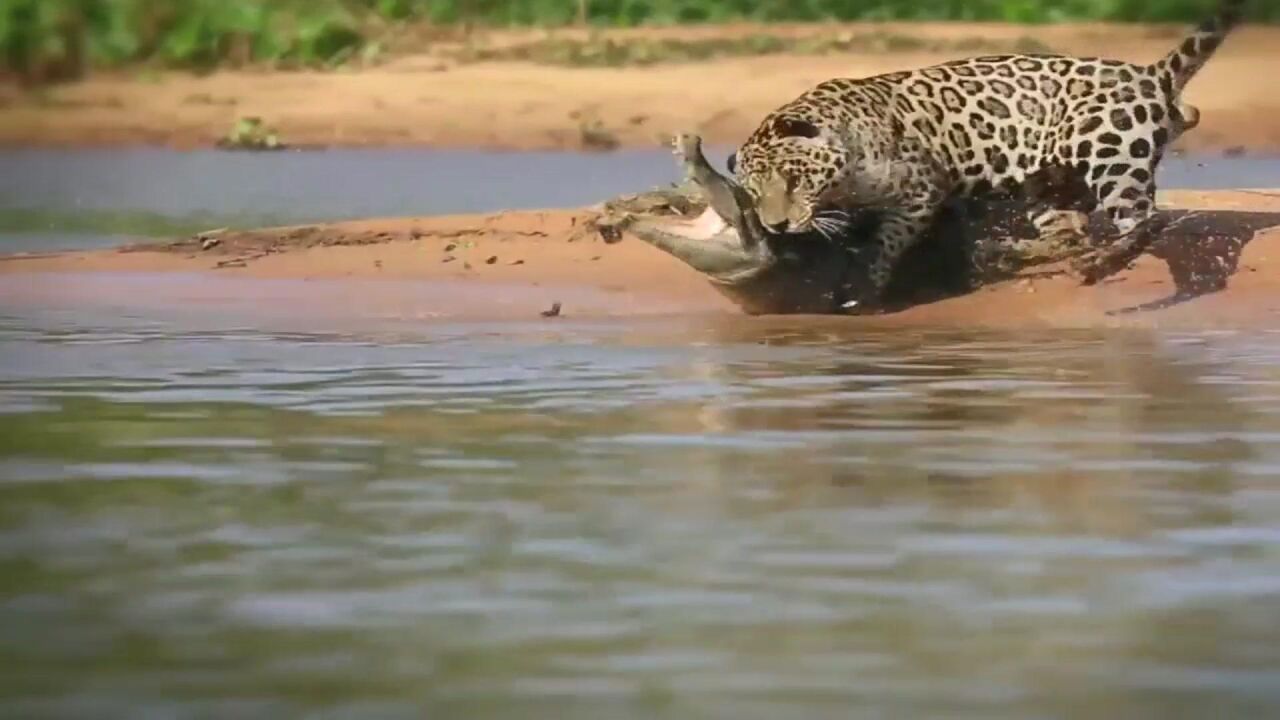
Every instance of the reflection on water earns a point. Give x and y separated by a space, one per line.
715 520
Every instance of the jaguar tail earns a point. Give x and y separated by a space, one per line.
1178 67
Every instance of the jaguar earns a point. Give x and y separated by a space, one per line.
1073 134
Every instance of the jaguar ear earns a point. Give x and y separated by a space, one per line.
785 126
732 162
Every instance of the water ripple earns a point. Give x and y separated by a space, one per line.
971 524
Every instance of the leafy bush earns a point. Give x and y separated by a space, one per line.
48 39
633 12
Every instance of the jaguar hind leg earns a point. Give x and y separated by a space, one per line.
1125 189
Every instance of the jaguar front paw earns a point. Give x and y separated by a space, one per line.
861 295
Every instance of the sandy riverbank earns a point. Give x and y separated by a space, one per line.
436 93
517 264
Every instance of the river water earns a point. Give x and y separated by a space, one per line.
95 197
249 511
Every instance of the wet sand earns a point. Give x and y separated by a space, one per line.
425 96
1217 267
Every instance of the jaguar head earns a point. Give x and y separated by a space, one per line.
789 165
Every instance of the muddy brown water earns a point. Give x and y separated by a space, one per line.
222 503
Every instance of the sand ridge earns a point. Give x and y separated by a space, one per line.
1219 266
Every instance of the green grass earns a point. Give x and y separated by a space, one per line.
134 223
44 40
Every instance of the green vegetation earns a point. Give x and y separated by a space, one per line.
139 224
249 133
43 40
52 39
596 51
637 12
